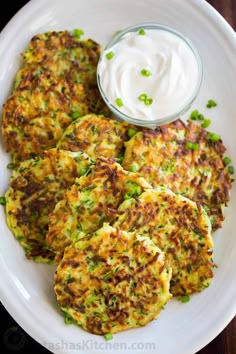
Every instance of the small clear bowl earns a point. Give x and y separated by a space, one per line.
165 119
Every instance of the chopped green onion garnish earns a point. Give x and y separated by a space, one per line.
11 166
142 97
142 32
133 168
231 170
194 115
82 171
201 117
206 123
108 336
119 102
110 55
213 137
68 320
185 298
63 90
146 72
148 101
192 146
78 33
134 190
226 160
75 114
107 276
131 132
37 73
211 104
145 99
2 201
120 159
189 268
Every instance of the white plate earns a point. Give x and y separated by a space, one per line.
26 287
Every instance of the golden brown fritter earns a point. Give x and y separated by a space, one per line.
68 57
35 187
180 228
91 201
36 115
112 281
96 135
64 54
185 158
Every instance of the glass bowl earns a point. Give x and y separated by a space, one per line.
161 119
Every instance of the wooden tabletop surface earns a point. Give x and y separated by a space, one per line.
225 342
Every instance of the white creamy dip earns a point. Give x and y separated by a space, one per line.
149 74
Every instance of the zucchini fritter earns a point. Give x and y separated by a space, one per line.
112 281
185 159
36 115
91 201
66 56
96 135
180 228
35 187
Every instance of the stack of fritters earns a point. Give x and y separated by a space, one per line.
56 85
127 213
37 113
91 201
182 230
38 184
65 55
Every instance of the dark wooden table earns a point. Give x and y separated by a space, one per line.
225 342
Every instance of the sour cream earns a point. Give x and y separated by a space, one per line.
149 74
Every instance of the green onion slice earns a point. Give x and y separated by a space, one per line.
146 72
2 201
148 101
78 33
119 102
145 99
206 123
213 137
185 298
142 97
226 160
211 103
131 132
192 146
142 31
231 170
108 336
133 168
194 115
110 55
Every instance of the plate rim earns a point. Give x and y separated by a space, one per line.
7 297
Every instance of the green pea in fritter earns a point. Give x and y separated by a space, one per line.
91 201
180 228
35 187
112 281
186 159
